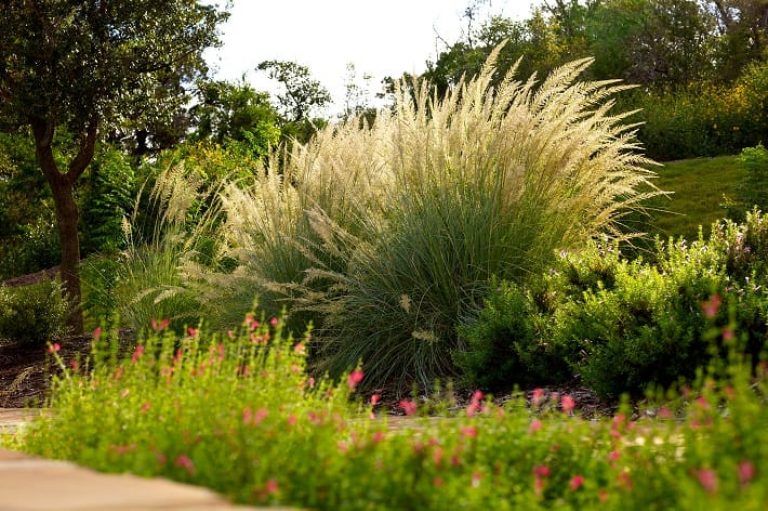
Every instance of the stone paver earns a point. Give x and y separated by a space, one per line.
34 484
13 418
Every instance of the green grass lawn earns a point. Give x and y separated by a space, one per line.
697 187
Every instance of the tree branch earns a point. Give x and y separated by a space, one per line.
85 155
43 131
725 15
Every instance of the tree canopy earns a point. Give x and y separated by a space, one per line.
87 66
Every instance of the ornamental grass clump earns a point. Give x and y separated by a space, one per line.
387 235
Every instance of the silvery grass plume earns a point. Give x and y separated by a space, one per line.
153 281
386 235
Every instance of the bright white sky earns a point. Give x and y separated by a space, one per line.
380 37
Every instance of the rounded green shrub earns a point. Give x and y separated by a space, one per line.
32 315
507 344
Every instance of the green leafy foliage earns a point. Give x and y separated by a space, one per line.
642 328
507 344
28 237
623 326
238 405
752 192
108 201
32 315
700 64
237 117
703 119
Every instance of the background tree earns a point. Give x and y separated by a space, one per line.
235 115
357 96
85 66
743 25
302 97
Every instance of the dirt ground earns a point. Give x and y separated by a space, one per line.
25 372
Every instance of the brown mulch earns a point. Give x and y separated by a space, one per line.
26 371
588 405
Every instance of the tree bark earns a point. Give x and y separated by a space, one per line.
68 217
67 214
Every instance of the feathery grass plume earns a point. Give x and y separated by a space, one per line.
169 236
430 201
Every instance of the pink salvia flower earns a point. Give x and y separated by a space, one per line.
137 354
97 333
746 472
535 426
54 348
159 326
271 487
375 399
192 332
354 379
469 432
712 306
537 396
568 404
437 455
260 415
707 479
409 407
274 322
541 471
728 335
475 405
576 482
184 461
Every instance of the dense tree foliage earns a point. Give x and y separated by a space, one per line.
677 51
235 115
87 66
302 98
657 43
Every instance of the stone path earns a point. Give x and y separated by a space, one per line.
13 418
35 484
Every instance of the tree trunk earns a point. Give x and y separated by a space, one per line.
67 215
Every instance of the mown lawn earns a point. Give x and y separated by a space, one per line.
698 187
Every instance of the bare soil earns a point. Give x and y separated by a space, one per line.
26 371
